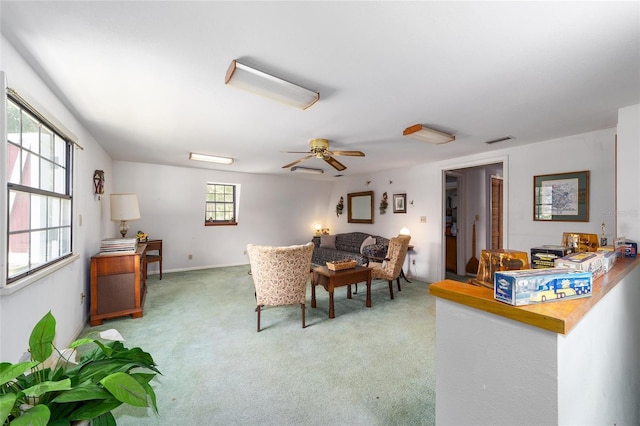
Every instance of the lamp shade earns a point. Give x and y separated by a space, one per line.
124 207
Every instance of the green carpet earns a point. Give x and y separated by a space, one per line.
365 367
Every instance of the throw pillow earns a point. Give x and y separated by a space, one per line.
367 242
328 241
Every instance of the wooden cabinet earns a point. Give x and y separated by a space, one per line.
118 286
451 261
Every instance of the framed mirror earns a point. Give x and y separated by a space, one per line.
360 207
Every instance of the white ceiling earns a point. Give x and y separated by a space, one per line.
146 78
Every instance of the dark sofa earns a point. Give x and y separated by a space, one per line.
347 246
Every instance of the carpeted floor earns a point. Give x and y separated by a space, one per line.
365 367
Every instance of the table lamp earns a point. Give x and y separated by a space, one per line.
124 207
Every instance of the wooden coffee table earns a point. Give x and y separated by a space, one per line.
331 279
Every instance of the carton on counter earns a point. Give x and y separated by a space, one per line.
583 261
530 286
544 256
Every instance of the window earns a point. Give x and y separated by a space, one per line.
38 192
220 205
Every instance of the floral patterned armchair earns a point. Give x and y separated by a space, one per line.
390 267
280 275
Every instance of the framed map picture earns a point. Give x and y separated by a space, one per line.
561 197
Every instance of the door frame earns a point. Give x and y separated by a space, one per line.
462 206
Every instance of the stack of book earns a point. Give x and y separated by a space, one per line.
118 245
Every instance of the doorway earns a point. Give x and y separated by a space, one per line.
474 196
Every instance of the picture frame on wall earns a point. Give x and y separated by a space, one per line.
399 203
561 197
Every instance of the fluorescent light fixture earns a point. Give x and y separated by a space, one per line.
307 170
425 134
210 158
267 85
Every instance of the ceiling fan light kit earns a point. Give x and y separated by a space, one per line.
267 85
319 148
425 134
210 158
307 170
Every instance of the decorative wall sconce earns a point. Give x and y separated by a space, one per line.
340 207
98 182
384 204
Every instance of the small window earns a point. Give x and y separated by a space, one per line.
220 205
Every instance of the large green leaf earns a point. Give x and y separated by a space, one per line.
34 416
126 389
83 392
105 419
81 342
44 387
144 379
7 402
9 371
94 408
41 340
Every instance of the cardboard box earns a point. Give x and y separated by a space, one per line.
544 256
609 257
630 249
498 260
580 242
533 286
583 261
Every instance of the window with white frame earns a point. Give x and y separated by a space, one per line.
39 192
221 204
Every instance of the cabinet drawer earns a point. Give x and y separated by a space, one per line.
109 265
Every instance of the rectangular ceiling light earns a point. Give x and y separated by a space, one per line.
425 134
210 158
307 170
267 85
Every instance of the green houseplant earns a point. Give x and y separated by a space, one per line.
52 388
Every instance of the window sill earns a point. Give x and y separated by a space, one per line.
220 223
37 276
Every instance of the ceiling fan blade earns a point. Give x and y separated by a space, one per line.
295 152
335 163
349 153
297 161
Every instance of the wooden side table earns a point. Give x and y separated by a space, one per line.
331 279
155 246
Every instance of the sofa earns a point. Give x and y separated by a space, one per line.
348 245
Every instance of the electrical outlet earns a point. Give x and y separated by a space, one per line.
82 296
190 257
245 252
413 262
423 219
477 217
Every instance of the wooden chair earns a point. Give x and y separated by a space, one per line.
390 268
280 275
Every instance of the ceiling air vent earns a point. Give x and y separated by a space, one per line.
506 138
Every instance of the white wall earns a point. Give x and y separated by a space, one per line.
628 178
273 210
60 291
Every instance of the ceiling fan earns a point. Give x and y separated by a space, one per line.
319 148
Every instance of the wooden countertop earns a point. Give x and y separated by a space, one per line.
557 316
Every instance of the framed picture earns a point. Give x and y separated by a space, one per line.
561 197
399 203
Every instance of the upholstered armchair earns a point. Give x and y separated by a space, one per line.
390 267
280 275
